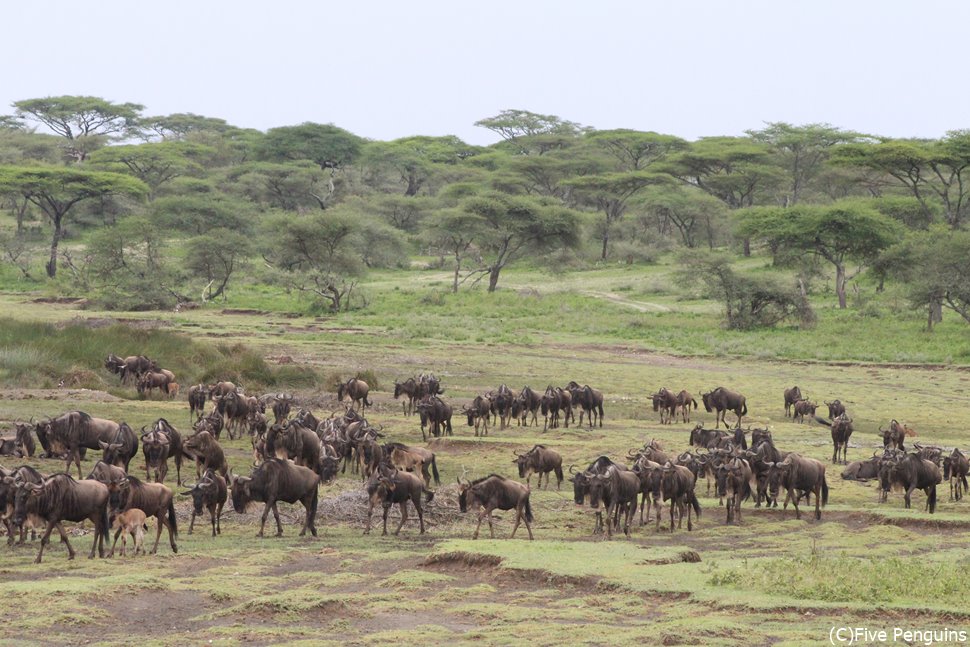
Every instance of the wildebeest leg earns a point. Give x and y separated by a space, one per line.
370 511
404 516
46 537
909 493
793 497
161 472
276 515
417 506
387 508
671 516
481 516
262 520
192 522
519 515
491 527
643 503
113 545
159 521
217 526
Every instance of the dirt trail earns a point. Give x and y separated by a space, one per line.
639 306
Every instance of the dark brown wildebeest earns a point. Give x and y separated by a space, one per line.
294 441
278 480
531 401
207 452
24 440
221 388
210 493
836 409
712 438
803 408
955 468
678 487
932 453
236 408
792 395
408 458
153 380
10 481
494 492
798 474
213 423
76 430
665 401
60 498
389 486
258 424
500 401
106 473
408 388
722 400
760 458
435 413
549 405
895 436
734 484
478 414
540 460
581 484
618 489
163 426
910 473
862 470
685 401
591 401
122 447
651 481
154 499
130 368
197 397
281 406
356 389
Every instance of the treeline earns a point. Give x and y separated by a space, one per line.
147 211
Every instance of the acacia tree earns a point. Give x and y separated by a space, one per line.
214 257
454 232
635 150
610 193
802 150
512 226
57 190
155 164
529 131
841 233
85 122
690 211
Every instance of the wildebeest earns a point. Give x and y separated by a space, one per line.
23 439
677 486
281 406
76 430
10 482
478 413
666 402
129 368
591 401
722 400
841 432
154 380
684 402
581 483
131 522
803 408
911 473
210 494
862 470
407 458
122 447
895 436
836 408
154 499
799 474
60 498
356 389
294 441
436 413
618 489
540 460
390 486
494 492
197 397
278 480
734 484
712 438
955 468
792 395
531 401
236 408
932 453
158 444
213 423
208 453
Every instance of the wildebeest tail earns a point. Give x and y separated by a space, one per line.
823 421
528 511
744 408
312 512
171 518
694 503
559 474
932 499
693 402
434 471
963 479
428 495
366 401
825 490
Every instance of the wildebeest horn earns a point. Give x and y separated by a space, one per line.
572 469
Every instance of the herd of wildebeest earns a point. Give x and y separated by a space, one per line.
294 452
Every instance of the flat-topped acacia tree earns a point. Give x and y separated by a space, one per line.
55 190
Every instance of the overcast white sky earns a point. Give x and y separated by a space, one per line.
390 69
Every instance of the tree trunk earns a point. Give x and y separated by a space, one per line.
747 247
606 241
840 281
52 263
936 310
493 277
454 283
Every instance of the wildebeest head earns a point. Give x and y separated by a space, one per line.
727 473
777 472
522 462
706 397
207 488
463 487
599 489
241 496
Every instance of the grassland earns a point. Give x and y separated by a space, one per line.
772 580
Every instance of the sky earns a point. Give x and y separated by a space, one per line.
385 70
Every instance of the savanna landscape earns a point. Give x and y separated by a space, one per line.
293 260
